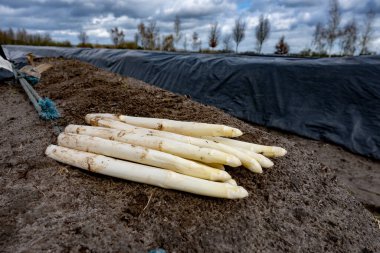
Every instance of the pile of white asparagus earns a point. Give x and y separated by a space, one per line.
185 156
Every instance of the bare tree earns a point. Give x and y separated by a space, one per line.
11 35
117 36
177 29
213 37
238 32
168 43
282 47
83 38
262 32
367 32
349 37
195 41
227 41
47 37
319 38
185 43
332 31
151 34
136 39
21 35
142 34
157 44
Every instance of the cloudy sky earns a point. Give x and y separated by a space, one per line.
295 19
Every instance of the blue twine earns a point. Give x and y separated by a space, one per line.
49 111
157 251
32 80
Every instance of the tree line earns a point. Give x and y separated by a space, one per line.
147 36
22 37
351 38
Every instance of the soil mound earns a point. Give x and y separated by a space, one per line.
295 206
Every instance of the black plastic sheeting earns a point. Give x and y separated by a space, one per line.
2 54
5 73
335 99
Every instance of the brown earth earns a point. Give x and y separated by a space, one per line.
296 206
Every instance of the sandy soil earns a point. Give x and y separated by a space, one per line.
297 206
358 174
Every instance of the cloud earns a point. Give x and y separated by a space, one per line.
295 19
298 3
196 9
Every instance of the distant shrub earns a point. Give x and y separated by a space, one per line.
127 45
87 45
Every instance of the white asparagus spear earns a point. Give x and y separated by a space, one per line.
264 161
141 155
185 150
213 165
144 174
269 151
231 182
180 127
216 166
248 162
105 115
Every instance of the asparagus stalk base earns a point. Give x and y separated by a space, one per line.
144 174
141 155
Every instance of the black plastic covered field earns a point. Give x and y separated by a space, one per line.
335 99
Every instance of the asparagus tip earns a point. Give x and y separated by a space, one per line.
231 182
234 132
280 151
233 161
237 192
256 169
220 175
